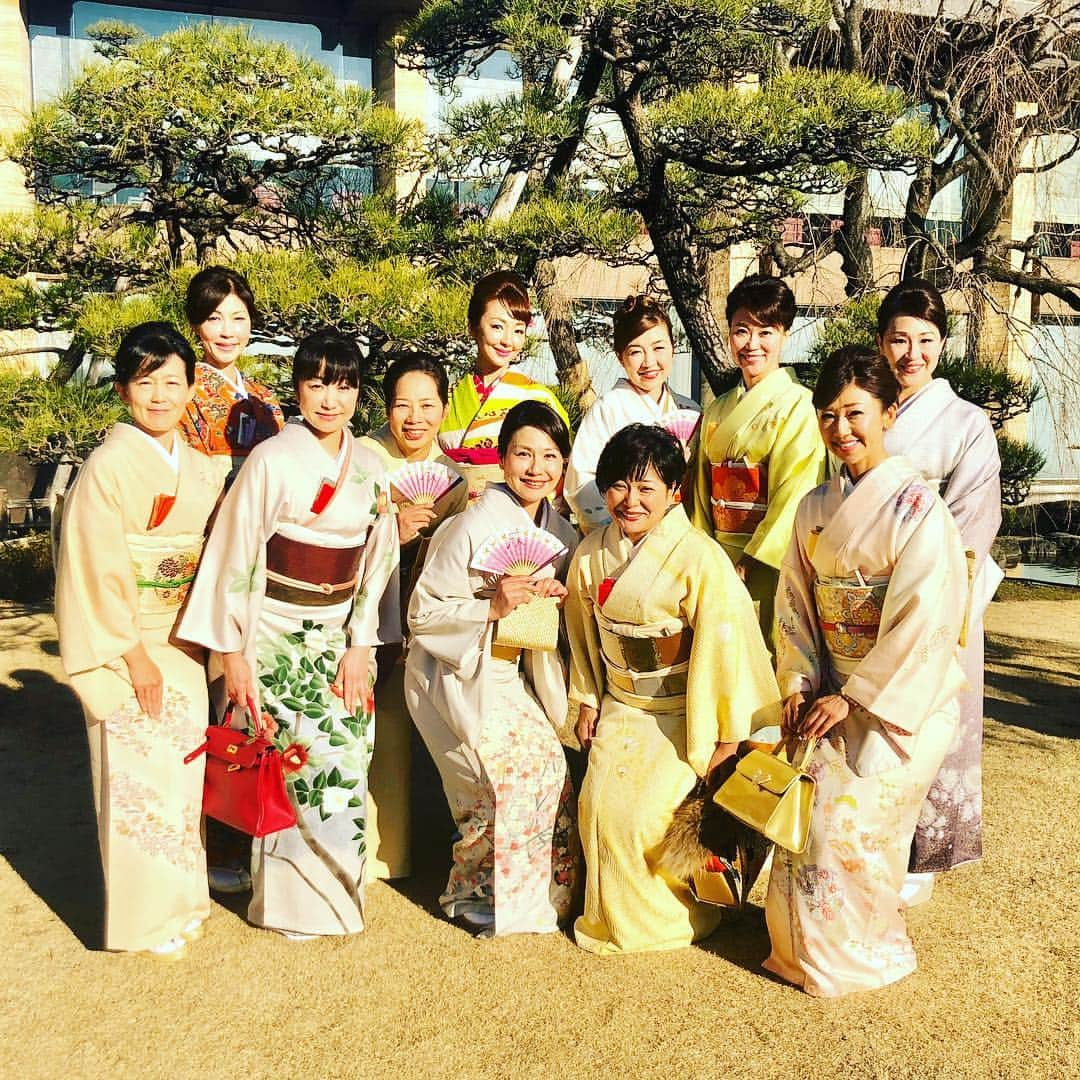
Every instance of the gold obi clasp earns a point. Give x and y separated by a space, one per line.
849 614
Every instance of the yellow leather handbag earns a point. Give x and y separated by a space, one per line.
772 795
532 625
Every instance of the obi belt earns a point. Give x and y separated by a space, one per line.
309 575
849 614
740 496
164 570
646 667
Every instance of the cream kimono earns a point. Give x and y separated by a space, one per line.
665 644
122 580
950 441
759 452
493 728
620 406
391 763
308 879
871 600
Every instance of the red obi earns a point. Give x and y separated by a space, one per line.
740 496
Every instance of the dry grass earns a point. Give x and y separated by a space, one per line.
995 994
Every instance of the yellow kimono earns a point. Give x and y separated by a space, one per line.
121 580
759 452
391 762
664 643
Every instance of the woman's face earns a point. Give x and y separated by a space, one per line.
499 338
157 399
326 407
755 347
647 361
853 427
415 412
533 466
638 506
913 348
226 333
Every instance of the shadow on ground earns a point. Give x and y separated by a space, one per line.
1038 695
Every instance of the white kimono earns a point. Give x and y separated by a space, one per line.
951 442
493 728
620 406
308 879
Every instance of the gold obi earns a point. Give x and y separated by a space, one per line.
164 569
740 496
648 666
849 614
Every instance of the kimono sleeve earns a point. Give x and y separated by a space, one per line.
446 619
731 690
911 666
376 615
586 662
973 491
219 612
96 595
699 497
796 466
580 487
799 647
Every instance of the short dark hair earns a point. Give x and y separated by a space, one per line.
535 414
856 364
146 347
210 286
415 361
637 314
633 449
508 288
328 355
767 298
916 298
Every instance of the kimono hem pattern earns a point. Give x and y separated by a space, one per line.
119 583
389 815
620 406
308 879
492 727
657 730
951 442
834 912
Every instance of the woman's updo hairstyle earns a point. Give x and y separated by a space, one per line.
917 299
209 287
537 415
864 367
637 314
328 355
768 300
415 361
505 286
147 347
633 449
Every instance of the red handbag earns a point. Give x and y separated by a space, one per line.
245 781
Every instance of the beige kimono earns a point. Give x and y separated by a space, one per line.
121 581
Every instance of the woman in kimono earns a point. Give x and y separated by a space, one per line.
646 350
669 672
416 391
229 415
758 448
499 314
869 611
297 586
951 442
133 533
491 715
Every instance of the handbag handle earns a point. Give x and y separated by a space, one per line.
253 712
808 748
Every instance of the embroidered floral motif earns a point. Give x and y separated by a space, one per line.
138 813
170 578
913 502
143 735
821 890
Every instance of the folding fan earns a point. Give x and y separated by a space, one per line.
517 551
423 483
682 423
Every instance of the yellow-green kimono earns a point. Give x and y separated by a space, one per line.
664 643
759 452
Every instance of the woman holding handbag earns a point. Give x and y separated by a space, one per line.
297 586
491 705
133 533
869 611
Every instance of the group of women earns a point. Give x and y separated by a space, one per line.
715 589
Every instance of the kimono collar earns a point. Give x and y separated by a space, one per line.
770 384
495 497
172 457
936 392
385 438
666 403
238 388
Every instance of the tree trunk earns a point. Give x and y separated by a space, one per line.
573 372
856 255
70 361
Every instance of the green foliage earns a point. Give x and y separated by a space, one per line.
1020 464
26 569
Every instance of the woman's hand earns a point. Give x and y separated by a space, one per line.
146 679
512 590
550 586
412 520
351 681
724 752
791 715
239 684
585 728
824 715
